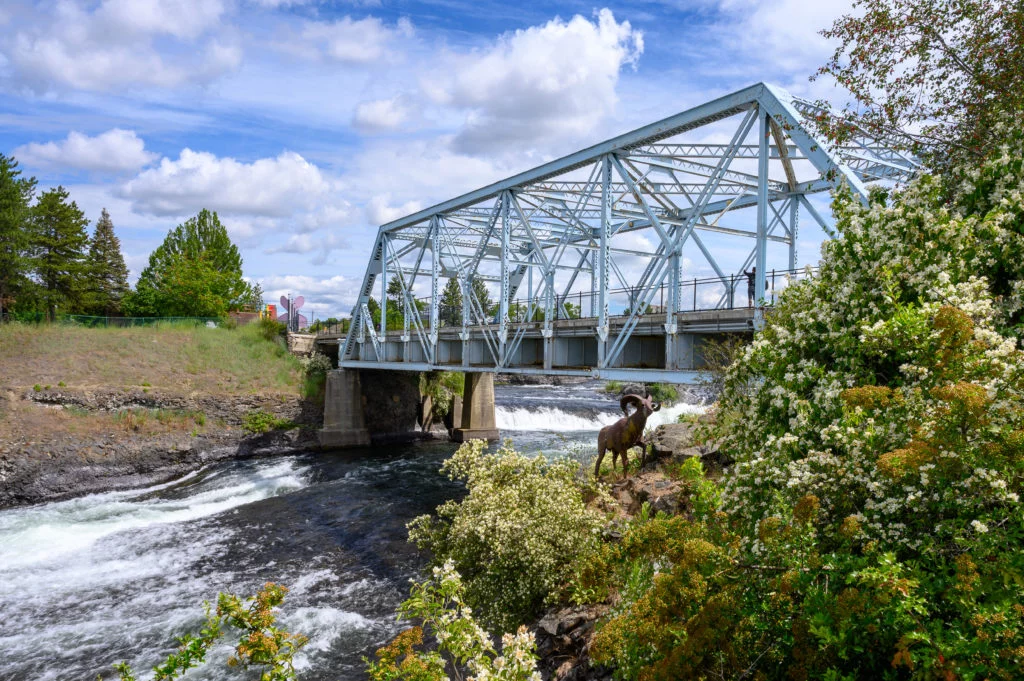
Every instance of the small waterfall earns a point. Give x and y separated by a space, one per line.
550 418
559 419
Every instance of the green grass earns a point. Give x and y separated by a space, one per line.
171 357
613 387
663 392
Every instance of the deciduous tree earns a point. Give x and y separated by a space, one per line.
940 74
199 247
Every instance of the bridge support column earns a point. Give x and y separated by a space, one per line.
671 348
478 421
344 423
549 348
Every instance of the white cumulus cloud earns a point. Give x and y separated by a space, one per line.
330 296
162 43
116 150
544 81
179 18
354 41
380 114
273 187
380 211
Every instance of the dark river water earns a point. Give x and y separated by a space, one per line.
108 577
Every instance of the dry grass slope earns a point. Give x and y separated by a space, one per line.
172 358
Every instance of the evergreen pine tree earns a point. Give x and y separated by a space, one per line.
108 275
58 239
451 304
15 197
480 290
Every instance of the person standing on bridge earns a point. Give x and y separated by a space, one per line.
751 286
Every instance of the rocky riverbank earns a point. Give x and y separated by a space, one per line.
566 632
57 443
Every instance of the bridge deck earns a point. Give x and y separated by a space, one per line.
570 349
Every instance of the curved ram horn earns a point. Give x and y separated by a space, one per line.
636 400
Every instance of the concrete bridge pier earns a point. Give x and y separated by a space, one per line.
478 422
344 423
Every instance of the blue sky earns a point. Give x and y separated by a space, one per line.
306 124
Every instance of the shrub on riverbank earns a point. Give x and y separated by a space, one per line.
439 603
871 526
262 646
259 422
514 537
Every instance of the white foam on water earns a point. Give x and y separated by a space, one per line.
79 576
672 413
323 626
545 418
557 419
39 534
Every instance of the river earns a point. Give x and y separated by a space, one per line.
92 581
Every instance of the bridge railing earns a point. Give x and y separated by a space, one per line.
695 295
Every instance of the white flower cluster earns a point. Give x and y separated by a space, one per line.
439 602
850 391
515 534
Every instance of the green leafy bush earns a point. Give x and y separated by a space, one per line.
314 382
261 645
316 364
439 603
515 535
613 387
663 392
441 387
271 329
259 421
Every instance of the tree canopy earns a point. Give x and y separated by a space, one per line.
107 282
56 252
942 75
16 194
196 271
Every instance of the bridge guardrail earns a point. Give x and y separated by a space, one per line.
695 295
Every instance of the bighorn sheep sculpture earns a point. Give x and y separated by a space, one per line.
626 433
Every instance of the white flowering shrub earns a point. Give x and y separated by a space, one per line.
316 364
439 604
515 535
871 526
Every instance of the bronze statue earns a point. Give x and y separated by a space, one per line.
625 433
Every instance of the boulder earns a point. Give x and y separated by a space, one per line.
675 440
563 643
633 389
662 494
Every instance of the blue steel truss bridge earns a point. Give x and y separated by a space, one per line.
617 261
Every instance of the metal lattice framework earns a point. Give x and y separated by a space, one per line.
633 213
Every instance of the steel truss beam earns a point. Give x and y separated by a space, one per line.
624 213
